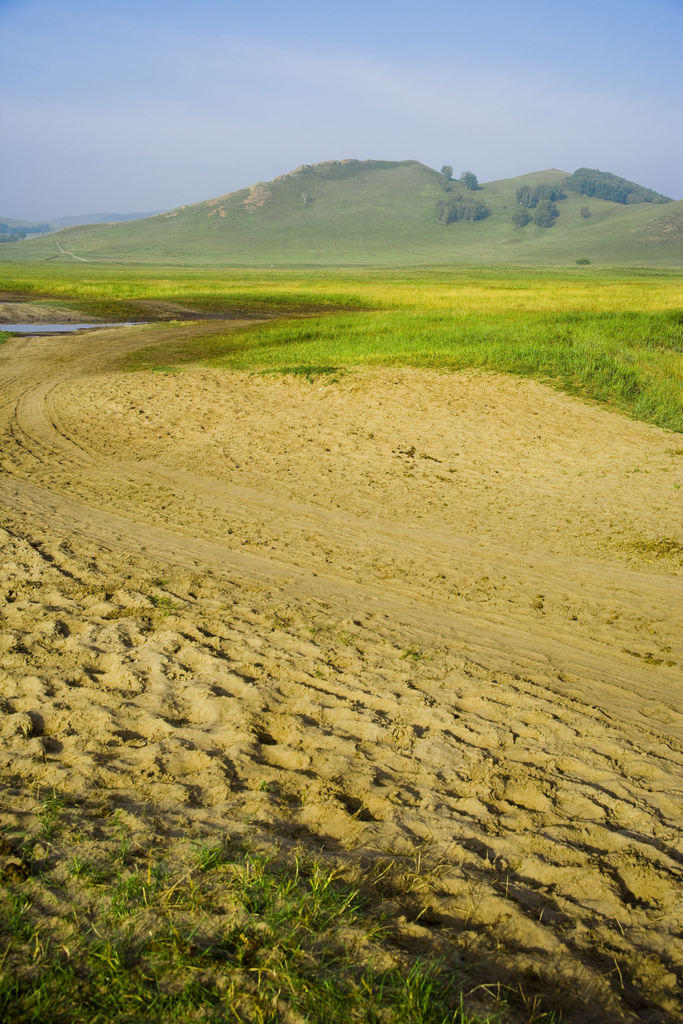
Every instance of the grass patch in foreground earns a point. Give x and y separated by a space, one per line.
632 361
106 919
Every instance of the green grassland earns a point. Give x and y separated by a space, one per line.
112 289
372 213
610 336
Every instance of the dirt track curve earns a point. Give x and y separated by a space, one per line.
385 612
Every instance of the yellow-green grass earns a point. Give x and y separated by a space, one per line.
609 336
486 289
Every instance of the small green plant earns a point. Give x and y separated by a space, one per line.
211 856
164 604
123 850
124 839
413 653
310 372
81 868
16 920
126 897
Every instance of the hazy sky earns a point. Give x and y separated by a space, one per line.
142 105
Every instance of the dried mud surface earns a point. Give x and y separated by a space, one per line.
33 313
395 612
14 311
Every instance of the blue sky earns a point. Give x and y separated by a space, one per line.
147 105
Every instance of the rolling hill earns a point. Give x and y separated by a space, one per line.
374 212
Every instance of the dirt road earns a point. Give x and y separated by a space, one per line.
394 611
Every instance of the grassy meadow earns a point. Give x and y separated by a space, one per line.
610 336
371 213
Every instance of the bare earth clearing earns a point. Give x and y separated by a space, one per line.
398 611
45 313
33 313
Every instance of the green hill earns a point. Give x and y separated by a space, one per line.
374 212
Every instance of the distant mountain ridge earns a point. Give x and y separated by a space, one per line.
101 218
84 218
383 213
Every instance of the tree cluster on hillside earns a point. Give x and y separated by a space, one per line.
531 197
521 217
541 199
470 181
585 212
447 172
545 214
459 208
588 181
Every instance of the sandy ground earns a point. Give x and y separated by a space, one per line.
393 612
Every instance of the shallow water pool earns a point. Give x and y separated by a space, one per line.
60 328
